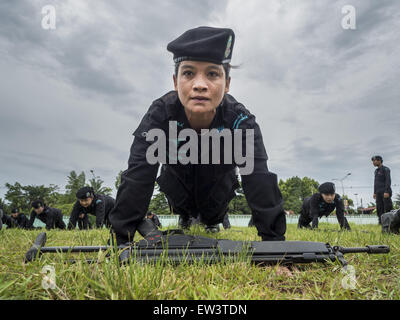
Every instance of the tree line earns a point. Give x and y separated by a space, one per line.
294 190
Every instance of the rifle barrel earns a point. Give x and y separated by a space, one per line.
368 249
75 249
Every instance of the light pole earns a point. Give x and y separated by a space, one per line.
356 194
341 181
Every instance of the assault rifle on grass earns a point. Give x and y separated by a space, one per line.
176 247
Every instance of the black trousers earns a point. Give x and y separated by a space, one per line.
208 208
84 223
304 219
58 223
383 205
304 222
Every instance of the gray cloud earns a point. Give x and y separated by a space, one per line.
106 49
326 98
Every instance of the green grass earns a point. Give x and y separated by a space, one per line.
377 276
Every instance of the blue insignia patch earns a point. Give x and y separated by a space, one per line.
238 120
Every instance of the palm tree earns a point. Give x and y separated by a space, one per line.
97 184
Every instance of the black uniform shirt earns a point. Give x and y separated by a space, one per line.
382 180
100 207
155 220
49 216
317 207
137 182
22 221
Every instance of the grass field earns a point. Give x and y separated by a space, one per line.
377 276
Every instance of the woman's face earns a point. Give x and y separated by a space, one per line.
328 198
201 86
38 210
86 202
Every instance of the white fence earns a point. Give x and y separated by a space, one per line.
243 220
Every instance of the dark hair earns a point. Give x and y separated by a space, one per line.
379 158
84 193
37 204
327 188
227 67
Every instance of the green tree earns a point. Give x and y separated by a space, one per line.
238 204
396 201
158 203
97 184
294 190
118 180
74 183
350 204
21 196
6 208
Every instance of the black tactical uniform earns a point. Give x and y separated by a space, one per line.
22 221
100 207
198 190
315 207
10 222
155 220
194 189
52 217
382 184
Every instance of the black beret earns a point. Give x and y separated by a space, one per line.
85 192
379 158
37 204
327 188
14 210
204 44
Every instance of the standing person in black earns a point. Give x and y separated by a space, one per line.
194 189
382 187
89 202
52 217
322 204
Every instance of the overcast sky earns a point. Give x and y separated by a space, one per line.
326 98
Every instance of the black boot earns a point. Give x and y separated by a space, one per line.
184 222
212 228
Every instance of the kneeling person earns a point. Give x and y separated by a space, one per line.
322 204
52 217
88 202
